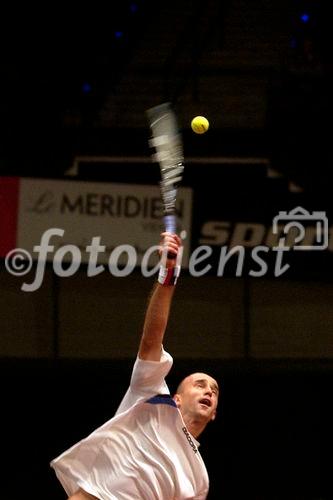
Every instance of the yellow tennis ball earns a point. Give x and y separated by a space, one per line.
200 124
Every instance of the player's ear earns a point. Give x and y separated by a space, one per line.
213 416
177 399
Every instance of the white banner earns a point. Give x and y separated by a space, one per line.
117 214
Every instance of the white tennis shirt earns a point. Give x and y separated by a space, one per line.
144 452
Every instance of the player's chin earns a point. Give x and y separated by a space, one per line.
205 410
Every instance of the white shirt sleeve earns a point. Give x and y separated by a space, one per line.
148 379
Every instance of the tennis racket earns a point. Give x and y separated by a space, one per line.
168 153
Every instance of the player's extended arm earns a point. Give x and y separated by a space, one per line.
158 309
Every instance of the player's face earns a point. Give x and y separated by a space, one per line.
198 397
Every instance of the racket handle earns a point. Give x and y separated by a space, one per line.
170 223
170 226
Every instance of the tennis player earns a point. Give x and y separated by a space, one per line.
149 449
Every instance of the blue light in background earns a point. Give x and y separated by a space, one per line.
86 88
133 8
305 17
118 34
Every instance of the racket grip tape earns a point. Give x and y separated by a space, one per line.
170 223
170 227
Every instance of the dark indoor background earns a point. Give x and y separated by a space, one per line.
75 84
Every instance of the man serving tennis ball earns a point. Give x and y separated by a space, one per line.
149 449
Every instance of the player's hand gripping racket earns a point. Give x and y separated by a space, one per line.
168 153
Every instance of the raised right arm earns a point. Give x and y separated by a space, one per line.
158 309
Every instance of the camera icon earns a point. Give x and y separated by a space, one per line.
298 226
